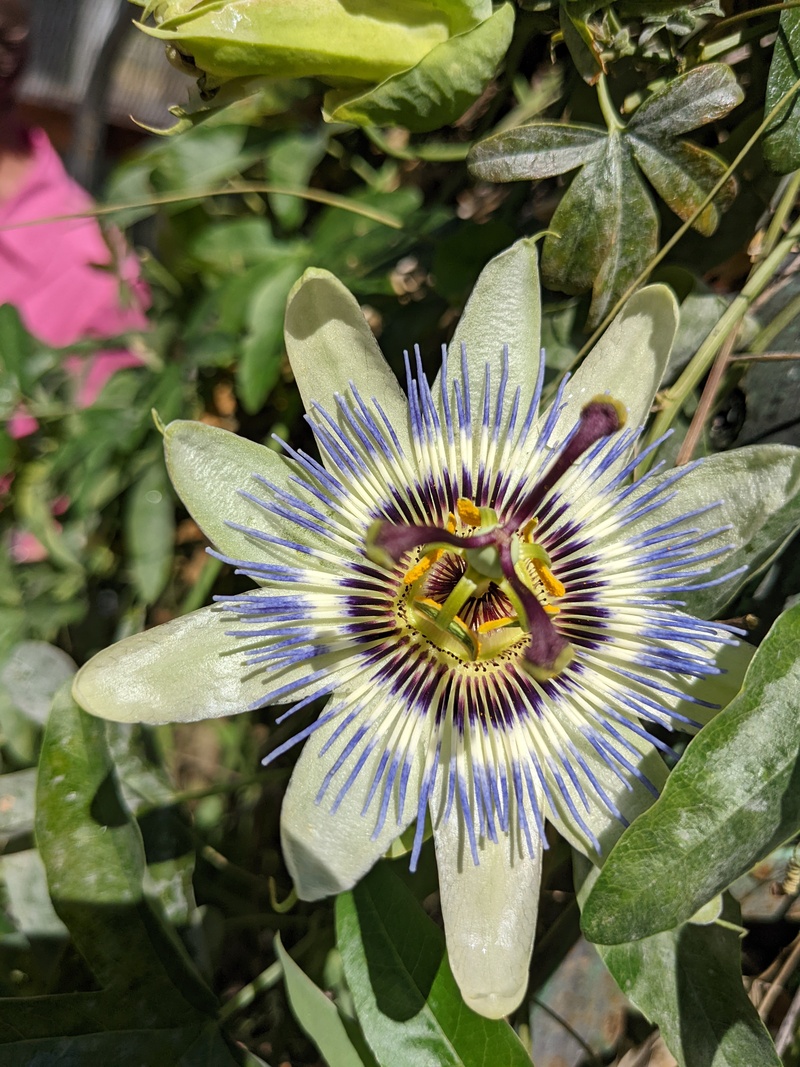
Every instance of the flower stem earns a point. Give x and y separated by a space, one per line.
670 244
673 399
610 113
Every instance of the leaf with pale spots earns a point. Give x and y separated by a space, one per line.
605 230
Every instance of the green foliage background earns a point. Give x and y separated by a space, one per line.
145 914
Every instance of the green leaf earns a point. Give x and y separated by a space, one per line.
733 797
291 161
150 531
229 247
28 902
438 89
702 95
31 674
16 345
100 898
608 231
584 50
73 1029
317 1015
407 1002
757 490
683 174
688 981
17 802
782 138
259 368
538 150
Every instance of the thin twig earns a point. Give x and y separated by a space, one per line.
713 382
776 988
765 357
742 16
787 1028
590 1052
318 196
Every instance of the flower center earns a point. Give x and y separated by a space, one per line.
478 599
479 587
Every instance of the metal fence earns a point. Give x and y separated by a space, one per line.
67 38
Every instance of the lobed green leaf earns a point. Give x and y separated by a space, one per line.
538 150
607 231
692 99
683 174
149 527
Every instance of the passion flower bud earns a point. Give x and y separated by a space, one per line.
418 63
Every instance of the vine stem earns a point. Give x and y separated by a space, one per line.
673 399
610 114
754 13
715 378
670 244
713 383
318 196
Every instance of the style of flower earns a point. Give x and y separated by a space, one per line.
480 592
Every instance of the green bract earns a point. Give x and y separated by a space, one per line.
410 581
417 63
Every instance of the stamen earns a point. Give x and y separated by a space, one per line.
467 512
528 528
496 624
415 572
548 652
552 585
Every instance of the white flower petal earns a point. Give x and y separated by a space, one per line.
630 358
330 345
209 468
489 910
181 671
716 689
503 309
626 791
326 850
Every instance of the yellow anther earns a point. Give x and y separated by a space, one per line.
552 609
467 512
528 528
417 570
451 526
496 624
553 587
